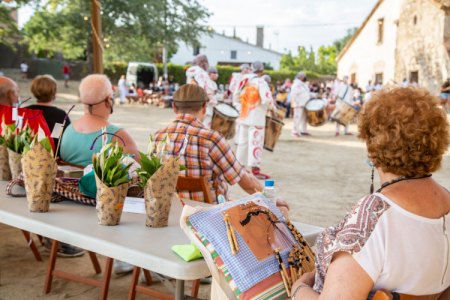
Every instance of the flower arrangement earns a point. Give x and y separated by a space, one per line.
111 176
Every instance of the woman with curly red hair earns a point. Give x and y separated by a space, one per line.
395 239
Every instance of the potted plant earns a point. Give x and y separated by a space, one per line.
20 138
159 175
6 141
39 171
111 176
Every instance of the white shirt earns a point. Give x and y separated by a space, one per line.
234 81
24 67
403 83
367 96
345 93
196 75
253 110
369 87
379 87
122 84
300 93
400 238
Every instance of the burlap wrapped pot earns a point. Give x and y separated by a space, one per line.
15 163
110 202
158 193
39 172
5 172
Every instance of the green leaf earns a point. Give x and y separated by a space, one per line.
47 145
183 168
118 182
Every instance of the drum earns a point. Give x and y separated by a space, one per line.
223 120
343 113
272 133
280 113
316 111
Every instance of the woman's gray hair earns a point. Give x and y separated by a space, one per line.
257 66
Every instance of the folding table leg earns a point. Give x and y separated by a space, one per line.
106 278
94 260
148 277
179 289
33 247
195 286
40 239
134 282
51 267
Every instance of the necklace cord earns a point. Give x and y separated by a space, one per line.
402 178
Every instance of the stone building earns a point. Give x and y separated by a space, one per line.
401 39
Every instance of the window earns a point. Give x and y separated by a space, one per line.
196 50
380 30
379 78
414 76
352 78
415 20
233 54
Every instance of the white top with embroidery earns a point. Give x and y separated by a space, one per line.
255 97
196 75
401 252
345 93
300 93
234 82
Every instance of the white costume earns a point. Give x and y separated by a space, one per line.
300 95
196 75
234 82
345 93
255 97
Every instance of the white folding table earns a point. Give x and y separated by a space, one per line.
131 241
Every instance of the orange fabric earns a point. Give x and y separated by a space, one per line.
249 99
6 112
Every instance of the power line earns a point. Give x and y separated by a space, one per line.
295 25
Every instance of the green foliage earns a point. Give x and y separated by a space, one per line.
8 28
23 140
109 168
134 31
44 143
322 62
341 43
8 134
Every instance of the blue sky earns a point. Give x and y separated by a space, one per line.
280 17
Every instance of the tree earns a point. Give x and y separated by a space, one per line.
132 30
8 26
340 43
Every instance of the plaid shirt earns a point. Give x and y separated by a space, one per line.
207 153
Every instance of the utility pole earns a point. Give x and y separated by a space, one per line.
164 41
96 23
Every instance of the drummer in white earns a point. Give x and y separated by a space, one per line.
344 93
255 97
234 82
198 75
300 95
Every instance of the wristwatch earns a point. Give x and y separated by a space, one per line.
297 289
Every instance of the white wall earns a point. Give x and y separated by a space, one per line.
366 56
218 49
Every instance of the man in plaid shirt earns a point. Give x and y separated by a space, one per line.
207 153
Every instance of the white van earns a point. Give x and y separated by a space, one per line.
141 74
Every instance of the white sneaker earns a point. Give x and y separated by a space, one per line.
121 267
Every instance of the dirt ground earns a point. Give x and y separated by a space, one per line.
319 176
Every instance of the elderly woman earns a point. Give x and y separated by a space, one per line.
97 96
44 88
395 239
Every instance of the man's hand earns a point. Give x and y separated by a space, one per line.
282 203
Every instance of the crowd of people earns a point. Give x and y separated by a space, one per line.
377 244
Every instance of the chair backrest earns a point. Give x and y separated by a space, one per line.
386 295
195 184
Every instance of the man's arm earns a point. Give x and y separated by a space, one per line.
250 184
266 95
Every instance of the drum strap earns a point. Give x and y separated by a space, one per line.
345 94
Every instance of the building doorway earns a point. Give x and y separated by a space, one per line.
414 77
352 78
379 78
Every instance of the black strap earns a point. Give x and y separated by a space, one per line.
345 94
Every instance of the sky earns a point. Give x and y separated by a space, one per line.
323 21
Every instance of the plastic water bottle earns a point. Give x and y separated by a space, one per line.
269 190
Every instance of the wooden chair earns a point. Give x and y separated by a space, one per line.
386 295
192 184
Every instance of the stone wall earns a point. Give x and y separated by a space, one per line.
421 43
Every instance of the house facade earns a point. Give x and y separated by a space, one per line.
224 50
400 39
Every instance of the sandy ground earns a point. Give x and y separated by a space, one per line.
319 176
